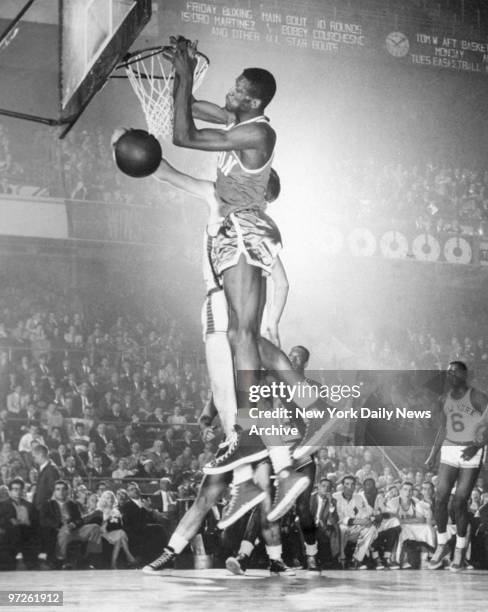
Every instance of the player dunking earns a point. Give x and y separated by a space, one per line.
248 241
463 411
219 362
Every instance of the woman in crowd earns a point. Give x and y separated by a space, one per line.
112 530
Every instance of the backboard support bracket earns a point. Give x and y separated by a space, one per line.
96 78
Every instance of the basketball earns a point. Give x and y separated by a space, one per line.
274 187
137 153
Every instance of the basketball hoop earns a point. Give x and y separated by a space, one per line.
151 73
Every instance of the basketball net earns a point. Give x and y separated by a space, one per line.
151 77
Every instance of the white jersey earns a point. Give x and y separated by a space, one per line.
462 418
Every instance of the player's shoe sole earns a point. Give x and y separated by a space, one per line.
288 499
234 567
227 521
315 437
214 469
439 563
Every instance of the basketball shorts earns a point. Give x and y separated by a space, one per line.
451 455
215 317
251 233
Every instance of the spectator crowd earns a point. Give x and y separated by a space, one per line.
100 452
431 197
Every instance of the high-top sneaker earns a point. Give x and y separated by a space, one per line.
163 562
237 565
457 563
312 564
289 486
241 450
245 496
278 568
441 552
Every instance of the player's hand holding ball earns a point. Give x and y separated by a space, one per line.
117 134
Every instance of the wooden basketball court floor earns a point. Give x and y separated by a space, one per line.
216 590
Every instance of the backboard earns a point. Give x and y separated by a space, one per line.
87 39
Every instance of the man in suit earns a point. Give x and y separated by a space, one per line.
100 437
109 458
20 522
125 441
85 369
48 474
324 512
140 523
164 501
42 369
62 522
63 374
157 455
97 470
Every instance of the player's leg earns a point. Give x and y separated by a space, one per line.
306 520
465 483
221 376
220 368
238 564
446 479
215 322
319 431
210 491
270 530
243 289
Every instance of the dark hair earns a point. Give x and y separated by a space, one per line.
371 479
40 449
61 482
326 480
459 364
262 84
408 483
16 481
305 351
348 477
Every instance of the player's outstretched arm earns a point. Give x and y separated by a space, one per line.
189 184
278 299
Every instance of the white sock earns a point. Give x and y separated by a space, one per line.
246 548
442 538
178 543
311 549
280 458
460 542
242 473
274 552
